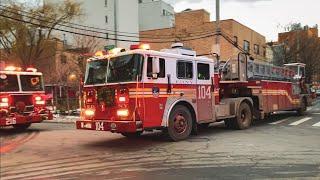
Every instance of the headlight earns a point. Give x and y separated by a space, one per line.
123 112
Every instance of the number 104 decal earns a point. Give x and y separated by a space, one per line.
204 92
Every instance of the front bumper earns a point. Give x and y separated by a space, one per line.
13 119
113 126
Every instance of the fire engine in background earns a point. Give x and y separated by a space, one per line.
22 98
173 90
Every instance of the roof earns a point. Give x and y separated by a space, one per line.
156 53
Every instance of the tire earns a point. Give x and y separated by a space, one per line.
303 108
243 119
132 135
180 123
21 127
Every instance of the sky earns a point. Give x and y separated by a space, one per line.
268 17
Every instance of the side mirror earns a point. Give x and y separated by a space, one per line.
155 68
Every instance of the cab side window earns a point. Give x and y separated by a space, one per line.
184 70
203 71
162 64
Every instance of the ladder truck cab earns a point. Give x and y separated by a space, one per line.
176 91
22 98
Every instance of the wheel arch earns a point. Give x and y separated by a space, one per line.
249 101
183 102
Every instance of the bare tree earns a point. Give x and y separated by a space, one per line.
86 45
26 32
300 46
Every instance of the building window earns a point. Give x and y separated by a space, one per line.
246 46
203 71
184 70
105 3
256 49
140 1
235 40
106 19
264 51
164 12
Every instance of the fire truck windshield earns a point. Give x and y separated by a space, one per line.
31 82
124 68
8 82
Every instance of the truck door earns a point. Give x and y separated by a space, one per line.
154 93
204 96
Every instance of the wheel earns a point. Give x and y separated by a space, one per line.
180 123
243 119
132 135
303 108
21 127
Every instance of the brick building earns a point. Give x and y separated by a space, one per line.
288 37
57 63
194 29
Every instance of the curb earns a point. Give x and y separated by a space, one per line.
63 120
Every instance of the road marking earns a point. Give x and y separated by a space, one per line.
316 125
278 122
300 121
17 143
316 113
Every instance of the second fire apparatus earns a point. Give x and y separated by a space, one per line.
22 98
129 92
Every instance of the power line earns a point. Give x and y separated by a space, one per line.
126 40
99 32
103 31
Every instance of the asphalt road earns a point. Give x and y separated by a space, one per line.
284 146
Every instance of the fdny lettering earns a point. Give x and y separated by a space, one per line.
99 126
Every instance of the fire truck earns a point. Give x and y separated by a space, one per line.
176 91
22 98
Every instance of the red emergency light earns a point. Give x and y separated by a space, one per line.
140 46
31 69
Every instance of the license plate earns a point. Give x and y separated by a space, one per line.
85 125
10 121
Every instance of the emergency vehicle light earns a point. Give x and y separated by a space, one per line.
140 46
39 100
100 53
123 112
30 69
4 102
122 99
12 68
89 113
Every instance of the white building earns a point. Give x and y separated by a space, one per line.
155 14
118 18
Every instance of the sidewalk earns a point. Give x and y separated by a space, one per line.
62 119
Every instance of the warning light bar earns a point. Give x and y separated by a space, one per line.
30 69
10 68
140 46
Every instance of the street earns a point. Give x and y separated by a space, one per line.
285 146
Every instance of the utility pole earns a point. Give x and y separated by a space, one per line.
216 46
115 5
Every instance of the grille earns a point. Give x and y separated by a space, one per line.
107 95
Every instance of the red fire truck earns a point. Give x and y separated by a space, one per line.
173 90
22 98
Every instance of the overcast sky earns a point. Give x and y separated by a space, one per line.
264 16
